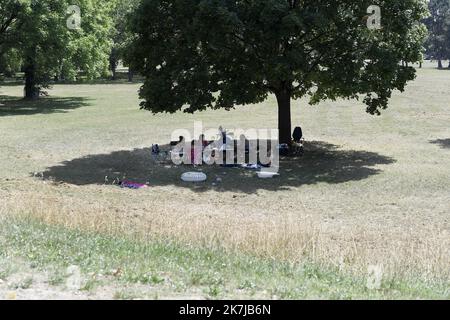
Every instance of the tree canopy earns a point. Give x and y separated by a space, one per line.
120 32
11 12
199 54
48 48
438 43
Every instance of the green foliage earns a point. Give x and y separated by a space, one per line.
198 54
10 12
48 48
10 63
438 24
120 33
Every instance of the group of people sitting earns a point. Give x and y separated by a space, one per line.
198 146
226 142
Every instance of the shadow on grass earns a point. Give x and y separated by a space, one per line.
322 163
13 106
443 143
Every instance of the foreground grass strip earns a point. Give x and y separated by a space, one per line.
181 269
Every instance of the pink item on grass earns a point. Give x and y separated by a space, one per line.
132 185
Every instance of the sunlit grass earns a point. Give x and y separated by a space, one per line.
369 190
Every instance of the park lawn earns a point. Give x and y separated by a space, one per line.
370 191
125 268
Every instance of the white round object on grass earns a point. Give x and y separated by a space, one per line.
267 174
194 177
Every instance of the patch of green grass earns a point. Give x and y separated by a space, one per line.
56 278
125 295
22 284
89 285
5 270
216 273
213 291
142 277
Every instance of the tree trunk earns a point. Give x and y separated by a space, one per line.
440 64
113 67
31 88
113 63
448 65
284 117
130 75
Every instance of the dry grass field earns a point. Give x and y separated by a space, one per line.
369 191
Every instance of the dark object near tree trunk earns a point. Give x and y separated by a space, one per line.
130 75
31 89
113 67
440 66
113 63
284 116
114 72
298 134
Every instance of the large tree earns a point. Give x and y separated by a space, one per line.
50 48
198 54
438 43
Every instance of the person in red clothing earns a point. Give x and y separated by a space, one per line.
203 141
197 151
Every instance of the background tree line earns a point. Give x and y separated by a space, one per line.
34 39
438 24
